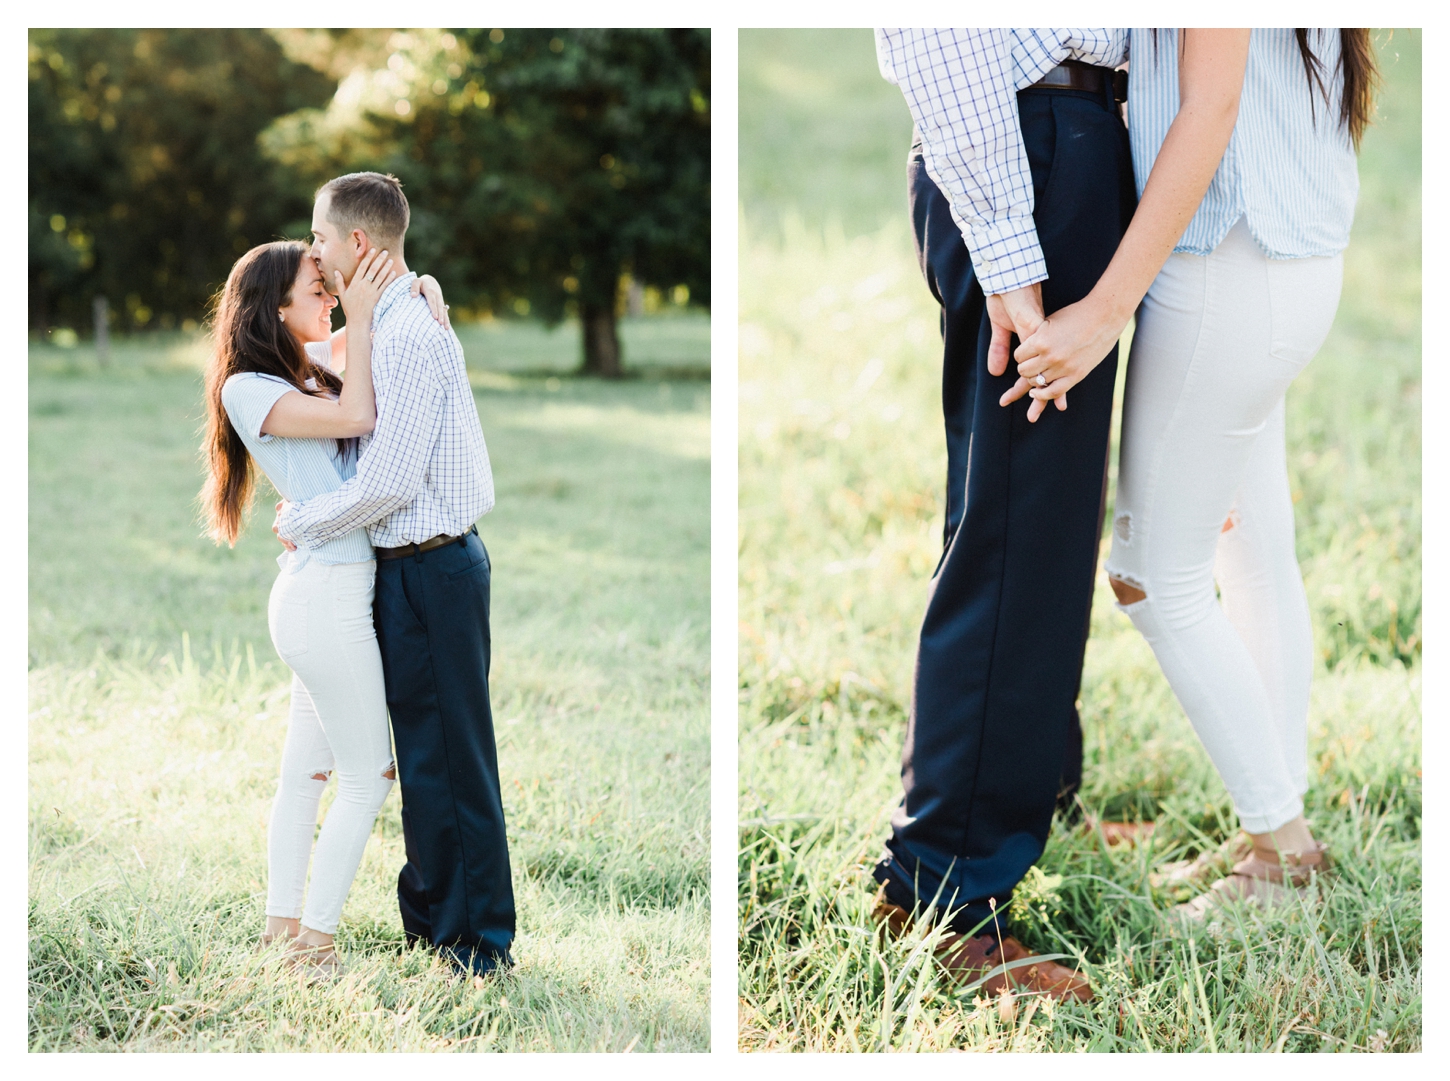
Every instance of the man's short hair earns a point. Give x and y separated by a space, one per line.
372 202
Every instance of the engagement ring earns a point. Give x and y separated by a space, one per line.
1040 379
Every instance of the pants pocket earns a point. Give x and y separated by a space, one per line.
477 567
289 628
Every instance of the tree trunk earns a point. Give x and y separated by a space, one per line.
601 342
101 310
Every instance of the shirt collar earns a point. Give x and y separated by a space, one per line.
393 294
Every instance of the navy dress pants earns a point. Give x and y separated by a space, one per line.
455 892
993 735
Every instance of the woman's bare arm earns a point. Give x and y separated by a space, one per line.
338 344
432 292
354 412
1075 339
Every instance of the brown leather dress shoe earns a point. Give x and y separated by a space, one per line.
968 959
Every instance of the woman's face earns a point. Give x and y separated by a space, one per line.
309 316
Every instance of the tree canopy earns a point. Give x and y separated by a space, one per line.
146 178
545 168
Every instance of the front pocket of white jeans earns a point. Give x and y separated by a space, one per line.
289 634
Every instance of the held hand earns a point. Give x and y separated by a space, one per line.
372 276
1068 345
433 293
1037 408
277 521
1018 311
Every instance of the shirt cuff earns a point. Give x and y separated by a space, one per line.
288 528
1006 254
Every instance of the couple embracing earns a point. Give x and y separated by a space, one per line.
1217 214
382 604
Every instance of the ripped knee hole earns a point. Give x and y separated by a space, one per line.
1126 594
391 773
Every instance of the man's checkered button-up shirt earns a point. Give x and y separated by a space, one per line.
424 469
961 86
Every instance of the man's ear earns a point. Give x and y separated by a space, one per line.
359 240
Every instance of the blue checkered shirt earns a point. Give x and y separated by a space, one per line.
424 469
961 86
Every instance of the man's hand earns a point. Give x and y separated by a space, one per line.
1063 351
1018 312
281 503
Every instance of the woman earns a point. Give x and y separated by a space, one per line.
274 397
1246 140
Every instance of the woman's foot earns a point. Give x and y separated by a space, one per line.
1273 872
278 927
1204 868
312 954
1115 834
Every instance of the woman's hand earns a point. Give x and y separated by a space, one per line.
433 294
374 274
1068 344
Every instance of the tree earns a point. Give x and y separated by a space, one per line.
542 165
146 180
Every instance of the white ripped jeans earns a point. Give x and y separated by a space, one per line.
321 618
1203 494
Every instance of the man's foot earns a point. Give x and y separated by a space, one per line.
475 965
1261 878
968 959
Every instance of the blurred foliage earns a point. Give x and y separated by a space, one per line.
548 170
582 153
146 180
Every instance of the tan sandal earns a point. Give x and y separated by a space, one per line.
1204 868
313 962
1261 881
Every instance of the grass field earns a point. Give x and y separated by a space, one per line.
158 709
841 466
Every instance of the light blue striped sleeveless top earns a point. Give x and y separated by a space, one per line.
1290 167
298 468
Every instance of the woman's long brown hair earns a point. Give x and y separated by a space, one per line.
1361 76
249 337
1356 63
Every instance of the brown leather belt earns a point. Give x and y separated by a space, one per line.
420 547
1075 75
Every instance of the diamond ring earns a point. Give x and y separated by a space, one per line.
1040 379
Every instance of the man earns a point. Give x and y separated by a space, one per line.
1021 187
423 479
